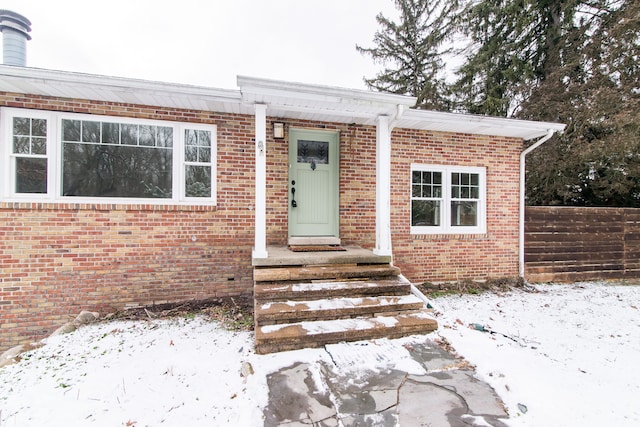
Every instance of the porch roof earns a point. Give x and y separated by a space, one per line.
284 100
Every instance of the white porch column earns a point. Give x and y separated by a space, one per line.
260 246
383 187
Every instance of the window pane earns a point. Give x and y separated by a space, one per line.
165 136
71 130
426 184
21 145
129 134
455 178
313 151
190 154
204 155
437 177
90 131
204 138
38 127
31 175
110 133
455 192
21 126
116 171
198 181
464 214
38 146
425 213
147 136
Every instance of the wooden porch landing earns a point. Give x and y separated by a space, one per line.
309 299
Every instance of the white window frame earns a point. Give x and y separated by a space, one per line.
445 226
55 167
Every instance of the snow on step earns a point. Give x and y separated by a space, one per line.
341 303
279 291
417 321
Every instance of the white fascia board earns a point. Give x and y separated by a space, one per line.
484 125
60 79
275 88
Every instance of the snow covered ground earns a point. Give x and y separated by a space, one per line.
564 356
571 357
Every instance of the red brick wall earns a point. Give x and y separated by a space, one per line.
57 259
357 183
438 258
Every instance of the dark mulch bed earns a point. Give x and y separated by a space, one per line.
468 286
235 313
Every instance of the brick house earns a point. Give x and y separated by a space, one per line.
119 192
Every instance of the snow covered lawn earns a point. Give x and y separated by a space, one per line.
564 356
572 357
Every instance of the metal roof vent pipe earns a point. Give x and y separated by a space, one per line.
14 28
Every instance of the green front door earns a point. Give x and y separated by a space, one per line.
313 183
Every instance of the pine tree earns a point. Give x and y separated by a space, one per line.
412 51
596 91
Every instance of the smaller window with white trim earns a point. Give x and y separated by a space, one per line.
448 199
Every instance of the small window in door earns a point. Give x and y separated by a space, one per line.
313 152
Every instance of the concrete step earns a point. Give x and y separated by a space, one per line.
292 336
321 272
334 308
281 291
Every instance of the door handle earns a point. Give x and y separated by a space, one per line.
294 204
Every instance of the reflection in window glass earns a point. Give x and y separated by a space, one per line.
425 213
31 175
197 155
116 160
90 131
426 194
29 148
93 170
464 214
313 151
198 181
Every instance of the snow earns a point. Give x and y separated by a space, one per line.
566 355
574 361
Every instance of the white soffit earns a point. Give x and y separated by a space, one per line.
322 103
66 84
473 124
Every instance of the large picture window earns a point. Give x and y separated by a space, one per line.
447 199
75 156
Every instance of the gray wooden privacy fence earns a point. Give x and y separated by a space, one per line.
567 244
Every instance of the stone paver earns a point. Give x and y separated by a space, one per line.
326 394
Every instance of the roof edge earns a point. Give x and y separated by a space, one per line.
536 128
122 83
255 84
